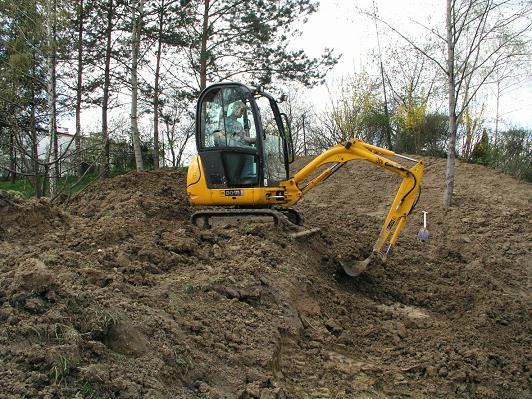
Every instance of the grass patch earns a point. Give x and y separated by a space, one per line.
105 320
87 391
21 185
65 184
60 369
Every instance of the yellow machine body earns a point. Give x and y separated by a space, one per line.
245 146
289 192
200 194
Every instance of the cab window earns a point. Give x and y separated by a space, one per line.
274 163
227 119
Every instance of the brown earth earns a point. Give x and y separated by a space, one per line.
116 295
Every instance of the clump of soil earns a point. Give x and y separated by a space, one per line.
28 218
116 295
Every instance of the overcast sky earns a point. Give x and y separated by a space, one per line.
339 25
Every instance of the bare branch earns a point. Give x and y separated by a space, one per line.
414 45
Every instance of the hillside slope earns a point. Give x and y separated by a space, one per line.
118 296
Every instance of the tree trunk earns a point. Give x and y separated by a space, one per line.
388 132
469 123
387 115
35 149
203 54
52 60
12 157
469 130
79 89
46 173
107 83
451 142
135 44
304 137
497 113
170 139
156 91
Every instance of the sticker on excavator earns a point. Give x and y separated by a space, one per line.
234 193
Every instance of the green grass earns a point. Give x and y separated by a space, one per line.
20 185
24 186
87 390
61 369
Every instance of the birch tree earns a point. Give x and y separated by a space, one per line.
79 81
110 11
137 16
51 24
481 37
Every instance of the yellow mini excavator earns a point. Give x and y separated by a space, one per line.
244 149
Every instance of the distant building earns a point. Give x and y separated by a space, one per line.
66 148
65 142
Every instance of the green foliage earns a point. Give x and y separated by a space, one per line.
481 151
250 38
512 153
122 158
420 132
66 184
435 131
357 111
22 65
377 123
409 118
20 185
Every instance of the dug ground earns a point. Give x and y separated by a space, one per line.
116 295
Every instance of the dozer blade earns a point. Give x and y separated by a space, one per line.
304 233
355 268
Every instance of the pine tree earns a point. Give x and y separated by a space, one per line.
23 82
249 39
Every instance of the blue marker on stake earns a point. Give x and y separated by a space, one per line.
423 233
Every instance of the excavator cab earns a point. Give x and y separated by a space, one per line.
241 139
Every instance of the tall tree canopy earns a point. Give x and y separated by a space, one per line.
250 38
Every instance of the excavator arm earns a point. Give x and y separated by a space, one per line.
336 157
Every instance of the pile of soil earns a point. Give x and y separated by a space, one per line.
116 295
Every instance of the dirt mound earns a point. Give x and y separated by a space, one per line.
159 194
119 296
30 219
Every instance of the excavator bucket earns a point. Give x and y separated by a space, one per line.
355 268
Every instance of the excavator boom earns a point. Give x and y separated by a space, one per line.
337 156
